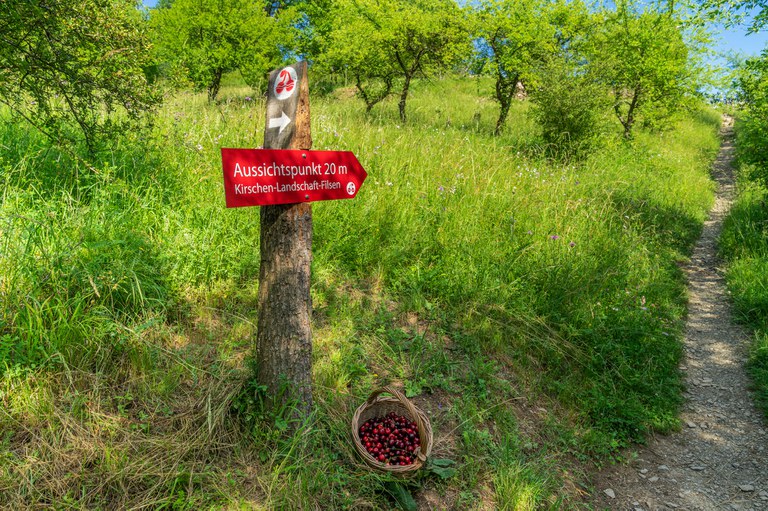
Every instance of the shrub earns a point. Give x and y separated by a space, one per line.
569 107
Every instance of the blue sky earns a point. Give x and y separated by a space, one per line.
735 39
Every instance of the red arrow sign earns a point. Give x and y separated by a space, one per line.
265 177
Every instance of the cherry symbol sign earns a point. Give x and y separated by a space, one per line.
285 85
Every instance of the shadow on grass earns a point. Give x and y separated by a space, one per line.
669 227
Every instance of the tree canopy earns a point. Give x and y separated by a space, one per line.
514 39
640 54
380 40
203 39
75 68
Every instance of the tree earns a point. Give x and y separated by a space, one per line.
752 86
207 38
383 40
514 38
641 56
735 12
368 60
75 68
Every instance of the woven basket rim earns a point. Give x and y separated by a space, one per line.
398 401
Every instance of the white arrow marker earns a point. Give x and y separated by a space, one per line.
279 122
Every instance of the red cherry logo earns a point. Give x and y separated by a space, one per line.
286 83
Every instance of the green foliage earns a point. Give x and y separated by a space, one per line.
379 41
735 12
639 53
744 242
514 39
74 69
471 268
570 107
752 133
204 39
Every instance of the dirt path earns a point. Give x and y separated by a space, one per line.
719 461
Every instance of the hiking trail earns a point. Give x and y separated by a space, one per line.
719 460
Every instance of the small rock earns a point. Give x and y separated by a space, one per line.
663 468
644 471
763 493
671 504
697 468
746 487
653 479
690 424
610 493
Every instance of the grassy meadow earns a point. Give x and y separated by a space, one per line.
744 245
532 307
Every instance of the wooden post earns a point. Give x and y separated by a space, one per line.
284 338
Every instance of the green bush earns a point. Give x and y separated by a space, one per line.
570 108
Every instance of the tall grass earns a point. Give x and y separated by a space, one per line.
470 269
744 244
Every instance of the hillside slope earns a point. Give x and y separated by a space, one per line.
533 307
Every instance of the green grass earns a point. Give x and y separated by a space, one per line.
745 245
533 308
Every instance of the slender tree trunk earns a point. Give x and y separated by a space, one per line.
404 97
372 97
503 112
505 91
628 121
215 85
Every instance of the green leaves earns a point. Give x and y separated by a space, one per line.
517 39
443 468
401 495
203 39
382 41
641 55
75 68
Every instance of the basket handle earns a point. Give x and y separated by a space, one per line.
389 389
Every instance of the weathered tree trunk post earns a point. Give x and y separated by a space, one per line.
284 338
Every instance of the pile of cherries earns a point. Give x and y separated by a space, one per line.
391 440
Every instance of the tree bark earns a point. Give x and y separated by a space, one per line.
215 85
505 91
404 97
284 335
284 338
629 121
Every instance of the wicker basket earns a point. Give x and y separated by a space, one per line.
378 406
